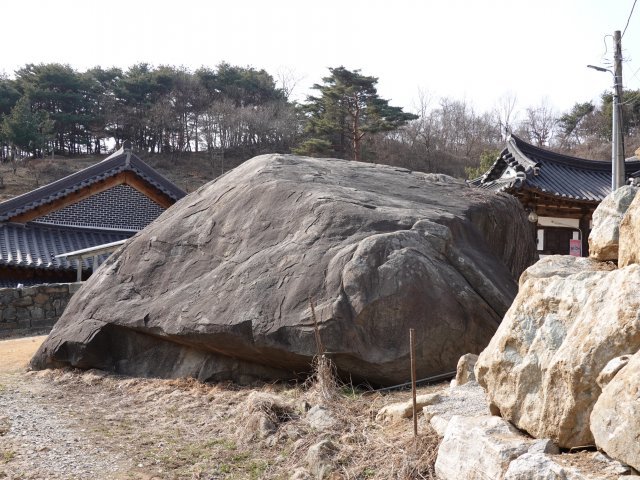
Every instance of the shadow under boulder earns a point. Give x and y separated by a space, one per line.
218 286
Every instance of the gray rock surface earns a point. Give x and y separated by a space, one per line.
479 448
321 418
539 466
611 369
399 410
611 465
218 286
319 458
615 419
605 234
464 370
563 266
536 466
468 400
540 369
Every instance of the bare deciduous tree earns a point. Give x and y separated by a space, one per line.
505 111
287 80
540 124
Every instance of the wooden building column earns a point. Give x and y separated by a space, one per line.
79 270
585 219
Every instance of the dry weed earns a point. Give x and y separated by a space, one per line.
365 448
183 429
323 385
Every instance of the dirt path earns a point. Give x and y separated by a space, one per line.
16 353
67 424
38 438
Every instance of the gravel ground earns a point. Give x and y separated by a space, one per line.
44 440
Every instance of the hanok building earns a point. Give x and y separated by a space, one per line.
560 192
105 203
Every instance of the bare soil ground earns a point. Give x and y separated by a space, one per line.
69 424
15 354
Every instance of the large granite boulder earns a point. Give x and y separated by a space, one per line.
629 250
570 318
219 286
605 235
615 419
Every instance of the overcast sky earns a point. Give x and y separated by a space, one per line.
477 50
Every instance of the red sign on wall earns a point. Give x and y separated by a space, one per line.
575 248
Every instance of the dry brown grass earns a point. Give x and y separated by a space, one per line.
367 448
323 385
185 429
16 353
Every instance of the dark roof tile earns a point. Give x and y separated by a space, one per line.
35 245
549 172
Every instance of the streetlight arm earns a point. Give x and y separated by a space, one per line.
600 69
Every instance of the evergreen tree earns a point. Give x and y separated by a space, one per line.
9 95
62 93
25 129
630 112
569 122
245 85
101 85
347 109
487 159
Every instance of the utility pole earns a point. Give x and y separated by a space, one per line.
617 148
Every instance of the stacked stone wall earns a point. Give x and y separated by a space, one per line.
33 309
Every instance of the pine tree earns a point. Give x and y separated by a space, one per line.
25 129
347 109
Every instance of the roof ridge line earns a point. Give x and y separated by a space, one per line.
564 158
113 164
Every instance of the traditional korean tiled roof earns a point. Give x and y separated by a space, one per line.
524 166
121 161
107 216
35 245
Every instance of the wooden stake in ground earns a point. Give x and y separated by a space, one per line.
412 342
319 345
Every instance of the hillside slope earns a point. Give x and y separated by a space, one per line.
187 170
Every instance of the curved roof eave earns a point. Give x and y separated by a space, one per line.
527 149
525 166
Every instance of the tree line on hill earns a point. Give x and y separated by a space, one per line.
243 111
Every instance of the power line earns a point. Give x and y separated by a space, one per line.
634 75
632 99
606 47
629 19
636 95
